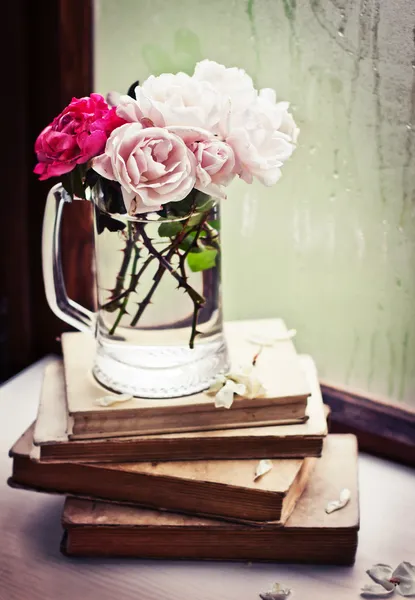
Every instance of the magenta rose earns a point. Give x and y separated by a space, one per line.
152 164
75 136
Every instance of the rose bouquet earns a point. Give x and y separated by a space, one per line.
164 155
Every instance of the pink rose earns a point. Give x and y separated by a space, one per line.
215 166
215 160
141 111
75 136
153 166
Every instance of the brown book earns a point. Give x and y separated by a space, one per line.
277 367
310 534
51 440
219 488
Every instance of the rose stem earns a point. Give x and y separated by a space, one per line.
160 271
164 261
182 265
119 282
123 307
133 284
196 308
142 305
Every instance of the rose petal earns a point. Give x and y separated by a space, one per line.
374 590
405 572
224 398
217 384
269 340
263 467
110 400
334 505
277 593
381 573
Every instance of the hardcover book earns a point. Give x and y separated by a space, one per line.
52 443
220 488
277 367
310 534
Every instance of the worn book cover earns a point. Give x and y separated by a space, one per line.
310 534
219 488
52 443
277 367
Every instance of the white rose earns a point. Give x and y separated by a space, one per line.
262 138
260 152
182 100
277 112
233 84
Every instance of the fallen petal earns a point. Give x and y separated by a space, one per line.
217 384
405 573
276 593
344 498
255 389
246 376
269 340
374 590
381 573
264 466
110 400
225 396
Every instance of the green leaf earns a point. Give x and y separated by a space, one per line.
169 229
215 224
204 203
195 219
201 260
188 241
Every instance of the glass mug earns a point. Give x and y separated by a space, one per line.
158 326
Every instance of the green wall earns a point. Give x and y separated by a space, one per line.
331 248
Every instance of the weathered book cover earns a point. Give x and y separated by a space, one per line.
51 439
278 368
309 536
219 488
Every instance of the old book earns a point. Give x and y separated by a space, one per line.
277 367
51 440
310 534
219 488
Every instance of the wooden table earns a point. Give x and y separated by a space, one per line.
31 567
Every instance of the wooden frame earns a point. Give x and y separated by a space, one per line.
383 429
49 59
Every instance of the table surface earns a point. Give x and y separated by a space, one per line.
32 568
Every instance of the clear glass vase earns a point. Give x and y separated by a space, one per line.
158 326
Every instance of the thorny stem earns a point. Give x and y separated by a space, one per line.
119 282
160 271
182 261
195 296
163 257
133 284
123 308
142 306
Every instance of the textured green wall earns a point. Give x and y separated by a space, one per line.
331 248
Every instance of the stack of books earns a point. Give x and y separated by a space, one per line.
179 478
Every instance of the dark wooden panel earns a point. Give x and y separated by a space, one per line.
383 429
48 46
15 326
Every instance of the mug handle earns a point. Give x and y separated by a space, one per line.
66 309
